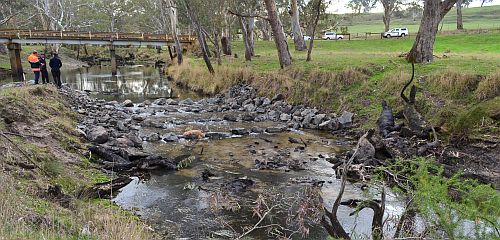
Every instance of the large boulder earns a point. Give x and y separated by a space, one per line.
346 119
98 135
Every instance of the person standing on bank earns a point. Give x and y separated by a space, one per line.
55 67
34 61
43 69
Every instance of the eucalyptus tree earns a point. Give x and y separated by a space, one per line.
434 12
298 37
361 5
389 7
284 56
171 8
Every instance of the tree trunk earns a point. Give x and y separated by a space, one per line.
217 47
298 38
279 36
317 11
250 34
226 37
266 36
388 8
460 23
434 11
201 37
246 42
173 25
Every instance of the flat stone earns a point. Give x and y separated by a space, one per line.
275 129
187 101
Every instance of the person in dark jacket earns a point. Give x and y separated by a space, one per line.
43 69
34 61
55 67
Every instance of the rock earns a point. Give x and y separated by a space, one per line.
277 97
80 133
187 101
152 137
307 119
172 102
257 130
240 131
248 117
285 117
120 125
135 139
266 102
160 101
217 135
495 115
275 129
239 185
146 102
138 118
346 119
170 137
128 103
124 142
230 118
249 107
260 110
98 135
318 119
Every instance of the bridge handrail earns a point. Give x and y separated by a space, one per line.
37 34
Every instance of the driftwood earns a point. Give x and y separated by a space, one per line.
330 221
104 190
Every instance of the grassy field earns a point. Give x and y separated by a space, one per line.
357 75
473 18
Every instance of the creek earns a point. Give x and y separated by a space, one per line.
172 202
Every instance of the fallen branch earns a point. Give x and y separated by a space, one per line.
257 225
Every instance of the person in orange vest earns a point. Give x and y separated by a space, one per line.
34 61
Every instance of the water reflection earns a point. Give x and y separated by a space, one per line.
133 82
137 83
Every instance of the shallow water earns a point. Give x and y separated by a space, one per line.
137 83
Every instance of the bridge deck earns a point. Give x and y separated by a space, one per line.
95 38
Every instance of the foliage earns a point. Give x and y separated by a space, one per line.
450 205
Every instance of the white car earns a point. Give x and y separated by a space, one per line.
307 38
332 36
396 32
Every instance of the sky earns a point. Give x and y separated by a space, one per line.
339 6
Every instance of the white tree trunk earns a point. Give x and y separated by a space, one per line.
298 37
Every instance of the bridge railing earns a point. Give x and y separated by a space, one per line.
107 36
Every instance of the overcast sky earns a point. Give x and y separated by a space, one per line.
339 6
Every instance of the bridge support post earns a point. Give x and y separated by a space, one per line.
114 67
15 61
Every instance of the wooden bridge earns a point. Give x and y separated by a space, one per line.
15 37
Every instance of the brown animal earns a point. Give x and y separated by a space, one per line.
194 134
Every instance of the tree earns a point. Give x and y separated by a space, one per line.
172 13
358 5
193 18
389 7
460 23
485 1
434 12
298 38
279 36
317 10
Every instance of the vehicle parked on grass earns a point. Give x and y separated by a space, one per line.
396 32
332 36
307 38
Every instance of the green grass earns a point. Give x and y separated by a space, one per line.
473 18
